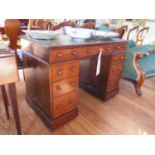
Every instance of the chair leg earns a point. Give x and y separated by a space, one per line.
12 93
139 84
5 100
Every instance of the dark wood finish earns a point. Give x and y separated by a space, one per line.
121 31
12 93
63 87
9 75
5 100
52 72
63 71
64 104
65 23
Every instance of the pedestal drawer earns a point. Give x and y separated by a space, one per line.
62 71
64 86
115 69
64 104
118 58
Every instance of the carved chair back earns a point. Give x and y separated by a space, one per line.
122 30
65 23
132 34
141 35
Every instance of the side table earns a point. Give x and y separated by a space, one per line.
8 76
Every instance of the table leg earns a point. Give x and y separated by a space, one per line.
5 100
12 93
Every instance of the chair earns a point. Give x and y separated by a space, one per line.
139 61
132 33
141 35
65 23
121 31
89 25
13 30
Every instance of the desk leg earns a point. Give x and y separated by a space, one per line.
5 100
12 93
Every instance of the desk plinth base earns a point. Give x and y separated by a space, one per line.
97 92
55 123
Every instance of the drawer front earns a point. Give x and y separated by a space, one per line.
64 104
120 47
118 58
89 51
60 72
65 86
113 83
115 69
64 55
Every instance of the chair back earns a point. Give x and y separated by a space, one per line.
132 34
141 35
122 30
65 23
89 25
12 30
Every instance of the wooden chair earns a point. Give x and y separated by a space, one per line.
13 30
89 25
132 33
141 35
122 30
65 23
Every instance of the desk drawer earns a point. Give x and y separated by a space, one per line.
119 47
65 86
89 51
62 71
64 104
115 69
64 55
118 58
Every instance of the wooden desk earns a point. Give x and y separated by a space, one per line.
53 70
8 76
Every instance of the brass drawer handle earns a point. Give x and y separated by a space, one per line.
60 107
59 55
59 88
118 47
108 48
59 72
73 84
120 69
72 69
121 58
72 101
74 52
89 51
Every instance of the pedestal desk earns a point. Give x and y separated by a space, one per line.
55 68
